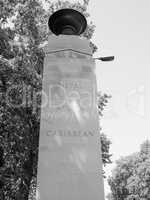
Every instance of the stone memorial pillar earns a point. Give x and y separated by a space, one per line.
69 164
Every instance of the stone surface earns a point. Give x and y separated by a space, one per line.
70 165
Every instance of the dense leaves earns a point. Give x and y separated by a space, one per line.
131 177
23 33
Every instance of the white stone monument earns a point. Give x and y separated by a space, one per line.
70 164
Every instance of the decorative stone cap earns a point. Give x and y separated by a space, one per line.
68 42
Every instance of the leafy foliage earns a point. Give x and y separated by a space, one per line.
21 68
131 178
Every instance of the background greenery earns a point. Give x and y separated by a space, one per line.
130 179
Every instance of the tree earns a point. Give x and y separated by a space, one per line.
130 179
21 67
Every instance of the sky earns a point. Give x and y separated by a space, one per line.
123 30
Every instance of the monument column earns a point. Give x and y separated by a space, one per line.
70 163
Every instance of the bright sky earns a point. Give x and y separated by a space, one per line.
123 30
